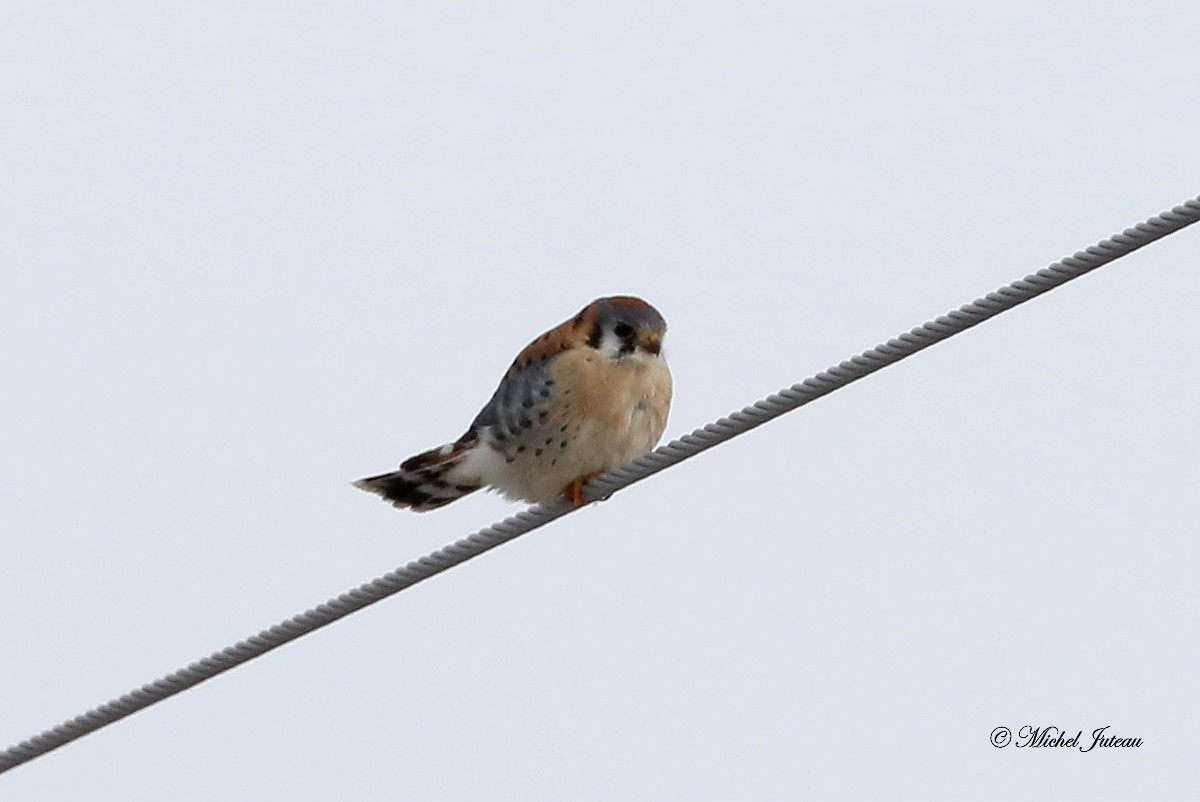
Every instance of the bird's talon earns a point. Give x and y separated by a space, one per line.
574 489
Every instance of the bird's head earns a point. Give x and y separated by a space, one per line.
626 327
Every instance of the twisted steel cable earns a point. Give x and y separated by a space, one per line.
663 457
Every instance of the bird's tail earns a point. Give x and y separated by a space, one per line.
426 481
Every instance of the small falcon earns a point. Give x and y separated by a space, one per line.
586 396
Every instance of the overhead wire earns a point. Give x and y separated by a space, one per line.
702 439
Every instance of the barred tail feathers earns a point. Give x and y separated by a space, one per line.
425 482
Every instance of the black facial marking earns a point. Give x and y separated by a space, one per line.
595 335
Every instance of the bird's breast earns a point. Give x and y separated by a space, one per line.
618 407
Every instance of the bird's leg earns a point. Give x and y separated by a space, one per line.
574 488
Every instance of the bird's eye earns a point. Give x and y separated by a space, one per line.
623 330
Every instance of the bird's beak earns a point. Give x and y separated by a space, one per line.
651 342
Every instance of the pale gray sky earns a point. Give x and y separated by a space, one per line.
254 251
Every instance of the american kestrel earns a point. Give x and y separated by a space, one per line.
588 395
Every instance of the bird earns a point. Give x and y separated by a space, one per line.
590 394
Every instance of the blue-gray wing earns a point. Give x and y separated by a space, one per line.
520 404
